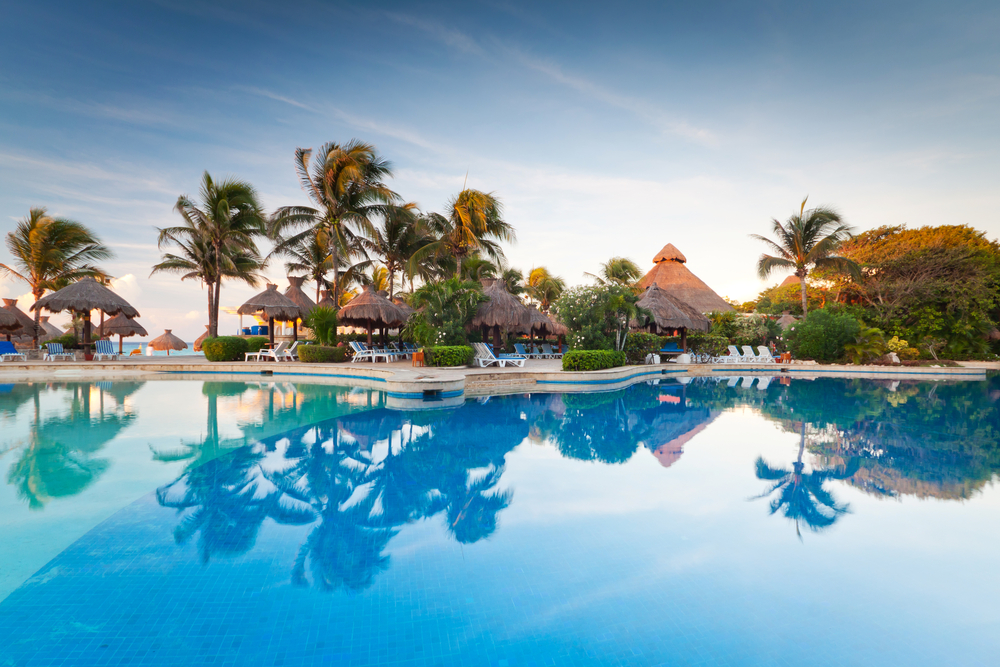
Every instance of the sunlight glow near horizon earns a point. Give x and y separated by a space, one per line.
604 131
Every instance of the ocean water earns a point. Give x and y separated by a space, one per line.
743 521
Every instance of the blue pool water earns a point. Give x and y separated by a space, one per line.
820 522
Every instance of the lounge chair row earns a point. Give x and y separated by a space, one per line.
544 351
280 352
392 352
485 357
747 356
104 349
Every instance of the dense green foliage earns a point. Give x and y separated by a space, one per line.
592 360
445 309
777 300
823 334
742 330
225 348
255 343
68 341
597 316
321 354
639 344
701 343
323 323
448 355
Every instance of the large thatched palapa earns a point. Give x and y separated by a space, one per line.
326 300
121 326
669 313
295 293
502 311
8 322
370 310
82 297
49 330
671 275
25 325
273 305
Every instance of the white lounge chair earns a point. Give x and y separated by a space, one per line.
9 352
765 356
550 353
55 351
505 359
105 349
749 355
484 356
276 353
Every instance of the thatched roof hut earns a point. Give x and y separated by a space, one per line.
167 342
273 305
786 319
370 310
201 339
121 326
405 307
295 293
8 322
26 324
790 280
326 300
671 275
503 311
669 312
84 296
50 330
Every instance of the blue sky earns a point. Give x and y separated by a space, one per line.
606 129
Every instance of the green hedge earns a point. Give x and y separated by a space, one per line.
639 344
448 355
321 354
701 343
592 360
225 348
255 343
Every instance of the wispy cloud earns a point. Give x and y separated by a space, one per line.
274 96
456 39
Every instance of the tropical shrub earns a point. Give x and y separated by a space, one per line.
321 354
823 334
323 322
869 344
256 343
592 360
639 344
68 340
445 309
701 343
225 348
597 316
448 355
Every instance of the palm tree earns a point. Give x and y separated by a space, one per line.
217 239
474 225
618 271
50 253
543 287
310 256
346 187
397 240
807 240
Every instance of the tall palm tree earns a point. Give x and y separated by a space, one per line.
50 253
397 240
346 186
474 225
544 287
311 256
618 271
808 240
217 239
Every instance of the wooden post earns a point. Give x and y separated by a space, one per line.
684 339
295 329
270 332
370 324
496 339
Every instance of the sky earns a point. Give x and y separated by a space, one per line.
606 129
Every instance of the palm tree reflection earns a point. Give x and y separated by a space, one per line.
800 495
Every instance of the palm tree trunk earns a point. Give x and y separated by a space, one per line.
335 255
38 314
802 285
212 328
392 281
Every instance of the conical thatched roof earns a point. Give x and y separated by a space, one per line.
272 304
84 296
167 341
371 309
558 328
326 300
120 325
537 321
405 307
27 325
786 319
790 280
671 275
8 321
503 309
49 328
670 312
295 293
200 339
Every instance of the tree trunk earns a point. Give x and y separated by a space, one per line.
212 326
38 314
802 285
218 298
335 255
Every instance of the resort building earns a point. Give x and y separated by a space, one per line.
670 274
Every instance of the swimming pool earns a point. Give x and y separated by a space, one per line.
704 521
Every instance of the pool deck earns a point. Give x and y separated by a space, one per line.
406 384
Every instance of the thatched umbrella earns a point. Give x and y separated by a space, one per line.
8 322
273 305
295 293
369 309
121 326
82 297
201 339
50 330
670 312
326 300
670 274
503 310
786 319
26 325
168 342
